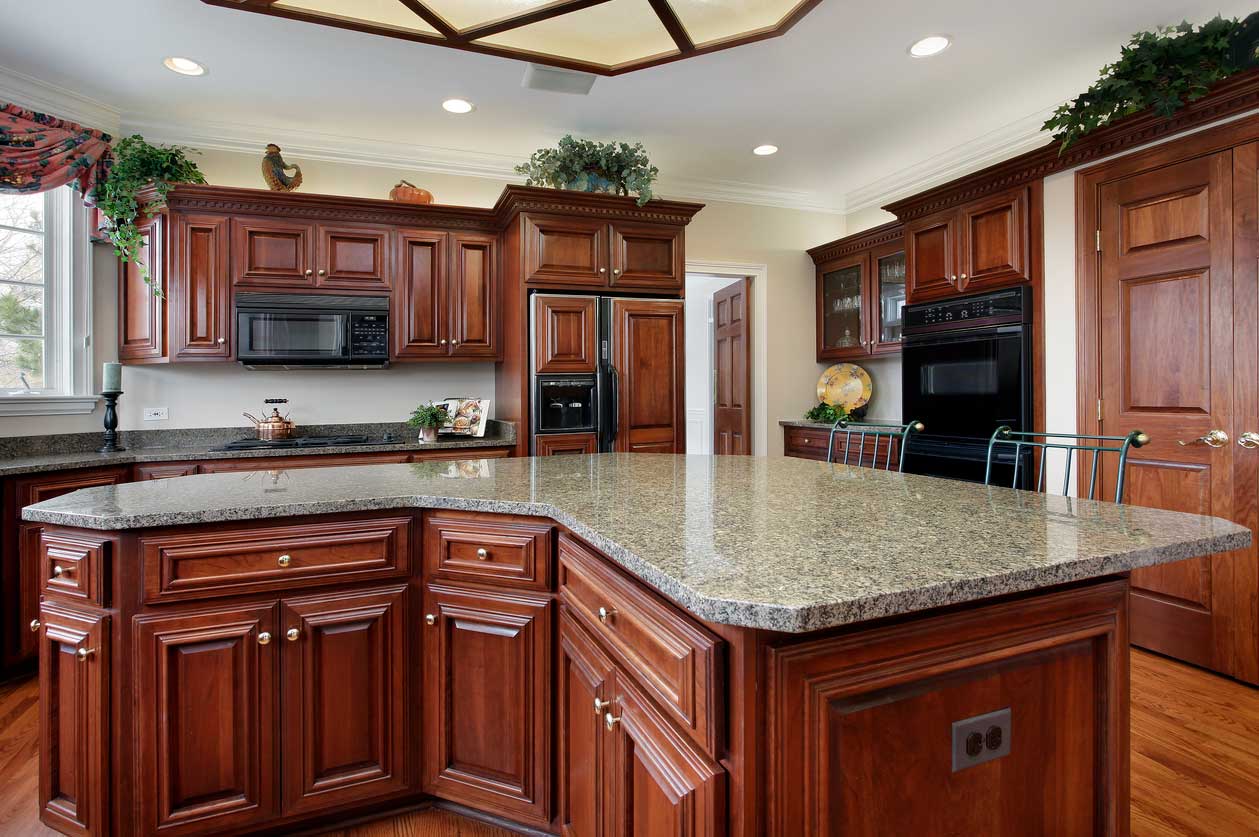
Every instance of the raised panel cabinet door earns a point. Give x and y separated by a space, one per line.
353 258
1165 289
931 260
202 322
648 347
269 253
420 286
473 305
647 256
205 722
565 251
584 682
74 720
141 297
566 334
1245 566
345 732
994 241
487 706
565 444
661 784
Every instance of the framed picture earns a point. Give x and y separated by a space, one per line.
466 417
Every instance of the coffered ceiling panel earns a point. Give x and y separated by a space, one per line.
465 14
612 33
707 21
388 14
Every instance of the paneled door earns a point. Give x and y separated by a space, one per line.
648 355
202 322
566 334
732 412
419 295
1165 296
473 319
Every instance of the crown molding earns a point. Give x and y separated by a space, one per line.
43 97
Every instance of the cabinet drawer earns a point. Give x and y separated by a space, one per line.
72 568
498 549
677 661
221 562
805 442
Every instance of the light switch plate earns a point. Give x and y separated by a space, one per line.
981 739
156 414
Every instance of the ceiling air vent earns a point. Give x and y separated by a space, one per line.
555 80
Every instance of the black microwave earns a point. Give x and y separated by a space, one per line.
307 330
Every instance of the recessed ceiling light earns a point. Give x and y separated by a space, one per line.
929 46
184 66
765 150
458 106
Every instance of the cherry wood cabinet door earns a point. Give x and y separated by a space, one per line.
661 784
565 444
565 251
73 720
994 242
647 256
931 257
202 322
142 311
584 682
473 304
648 355
420 301
205 720
843 309
566 334
487 706
1244 656
353 258
345 735
164 470
269 253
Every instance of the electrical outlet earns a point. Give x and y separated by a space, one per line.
156 414
981 739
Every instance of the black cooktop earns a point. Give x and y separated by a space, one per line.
309 442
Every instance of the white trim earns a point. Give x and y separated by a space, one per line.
41 96
47 405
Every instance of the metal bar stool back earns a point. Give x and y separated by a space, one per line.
1071 443
894 436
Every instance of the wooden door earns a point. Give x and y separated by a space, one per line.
661 784
566 334
473 305
648 356
565 251
345 735
732 413
1166 324
420 303
205 720
353 258
74 777
994 242
563 444
585 697
842 309
271 253
931 257
647 256
201 328
487 706
141 303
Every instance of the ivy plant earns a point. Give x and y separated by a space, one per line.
137 164
588 166
1159 70
428 415
829 413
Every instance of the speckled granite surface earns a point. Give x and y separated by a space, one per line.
38 454
784 544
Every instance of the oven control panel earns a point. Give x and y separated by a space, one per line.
369 336
998 307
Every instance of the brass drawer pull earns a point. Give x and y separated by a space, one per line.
482 554
35 626
264 638
292 634
430 619
605 614
611 721
83 653
284 560
601 705
58 571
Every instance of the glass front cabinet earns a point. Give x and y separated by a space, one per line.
860 294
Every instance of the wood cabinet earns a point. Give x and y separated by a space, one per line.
584 683
142 286
281 254
648 351
201 316
473 297
860 294
566 333
353 257
646 256
444 296
587 253
565 444
812 442
164 470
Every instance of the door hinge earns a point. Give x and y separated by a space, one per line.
1099 241
1099 409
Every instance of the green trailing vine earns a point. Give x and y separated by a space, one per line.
589 166
1161 71
136 165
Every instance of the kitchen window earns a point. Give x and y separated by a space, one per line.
45 311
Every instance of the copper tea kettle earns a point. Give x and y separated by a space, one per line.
273 426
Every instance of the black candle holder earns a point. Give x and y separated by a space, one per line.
111 423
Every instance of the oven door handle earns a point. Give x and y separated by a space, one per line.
970 335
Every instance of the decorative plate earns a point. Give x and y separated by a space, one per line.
844 385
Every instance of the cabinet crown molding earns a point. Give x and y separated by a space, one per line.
889 233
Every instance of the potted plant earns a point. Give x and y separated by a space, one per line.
137 165
428 417
827 413
589 166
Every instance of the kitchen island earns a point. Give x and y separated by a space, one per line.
592 644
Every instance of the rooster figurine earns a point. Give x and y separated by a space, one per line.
274 168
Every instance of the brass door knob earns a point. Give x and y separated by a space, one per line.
601 705
1215 438
1249 440
35 626
292 634
83 653
610 720
605 614
482 554
284 560
430 619
264 638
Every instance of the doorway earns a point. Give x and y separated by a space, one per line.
718 364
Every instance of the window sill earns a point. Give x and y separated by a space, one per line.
48 405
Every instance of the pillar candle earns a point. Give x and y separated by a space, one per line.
113 378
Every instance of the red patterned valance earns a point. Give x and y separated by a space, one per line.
40 152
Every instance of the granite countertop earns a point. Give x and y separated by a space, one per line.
782 544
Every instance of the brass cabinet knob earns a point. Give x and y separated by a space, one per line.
1215 438
963 277
482 554
610 720
323 272
953 279
430 619
1249 440
603 270
222 340
605 614
454 342
284 560
616 271
442 342
310 272
83 653
35 623
292 634
58 571
264 638
601 705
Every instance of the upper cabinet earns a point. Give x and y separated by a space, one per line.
444 296
591 254
201 319
271 254
860 294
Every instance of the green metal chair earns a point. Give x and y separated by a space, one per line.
1069 442
897 436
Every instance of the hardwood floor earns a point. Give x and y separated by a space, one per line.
1195 756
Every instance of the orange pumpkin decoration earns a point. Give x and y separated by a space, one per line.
408 192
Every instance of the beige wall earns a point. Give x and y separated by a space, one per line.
202 395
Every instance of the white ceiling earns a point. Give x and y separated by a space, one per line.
838 94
